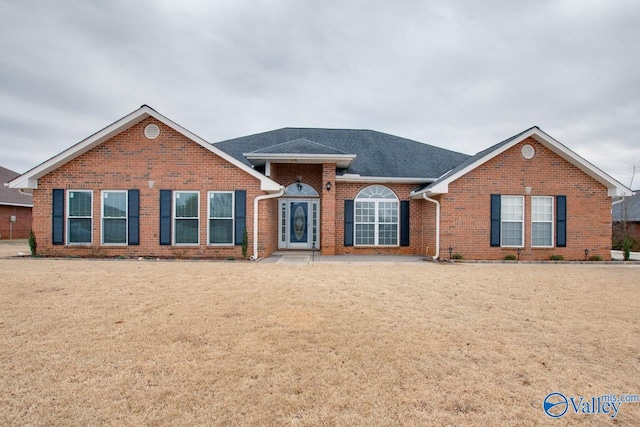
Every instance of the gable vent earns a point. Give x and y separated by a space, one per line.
151 131
528 152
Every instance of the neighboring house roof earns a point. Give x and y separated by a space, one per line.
377 154
12 196
29 180
441 185
628 210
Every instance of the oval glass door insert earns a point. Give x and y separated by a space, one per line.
299 222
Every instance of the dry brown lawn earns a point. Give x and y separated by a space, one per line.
87 342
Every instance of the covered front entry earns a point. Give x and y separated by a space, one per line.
299 221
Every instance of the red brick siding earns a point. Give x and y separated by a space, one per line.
129 161
465 216
20 228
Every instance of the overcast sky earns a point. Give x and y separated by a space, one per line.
462 75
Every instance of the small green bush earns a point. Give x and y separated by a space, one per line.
245 243
556 258
33 244
457 256
626 248
595 258
510 257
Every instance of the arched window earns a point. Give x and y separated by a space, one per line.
299 189
376 217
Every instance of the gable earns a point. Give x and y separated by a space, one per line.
535 136
511 173
29 180
130 160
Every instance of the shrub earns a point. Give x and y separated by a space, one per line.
33 244
556 258
510 257
595 258
626 248
457 256
245 243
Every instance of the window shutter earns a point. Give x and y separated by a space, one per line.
561 221
165 217
348 222
133 214
495 220
404 223
57 220
241 215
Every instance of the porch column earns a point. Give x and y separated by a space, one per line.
328 210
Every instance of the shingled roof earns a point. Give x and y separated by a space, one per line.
12 196
377 154
632 207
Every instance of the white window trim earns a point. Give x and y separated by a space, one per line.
233 218
376 222
126 217
68 217
521 221
174 194
553 220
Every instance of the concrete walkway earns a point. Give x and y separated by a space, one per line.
302 258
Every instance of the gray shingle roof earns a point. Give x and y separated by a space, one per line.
11 196
377 154
632 208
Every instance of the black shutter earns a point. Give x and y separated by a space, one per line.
165 217
404 223
133 225
57 220
241 214
348 222
495 220
561 221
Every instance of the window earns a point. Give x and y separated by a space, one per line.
186 217
511 221
79 218
376 217
114 217
221 218
541 221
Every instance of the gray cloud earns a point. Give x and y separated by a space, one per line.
463 75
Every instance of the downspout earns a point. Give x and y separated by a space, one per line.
616 202
424 195
255 219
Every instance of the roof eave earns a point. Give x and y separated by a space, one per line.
383 179
20 205
341 160
615 187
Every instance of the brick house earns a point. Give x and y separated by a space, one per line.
15 208
145 186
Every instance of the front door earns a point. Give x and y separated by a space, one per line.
298 221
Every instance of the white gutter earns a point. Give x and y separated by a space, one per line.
424 196
616 202
255 219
